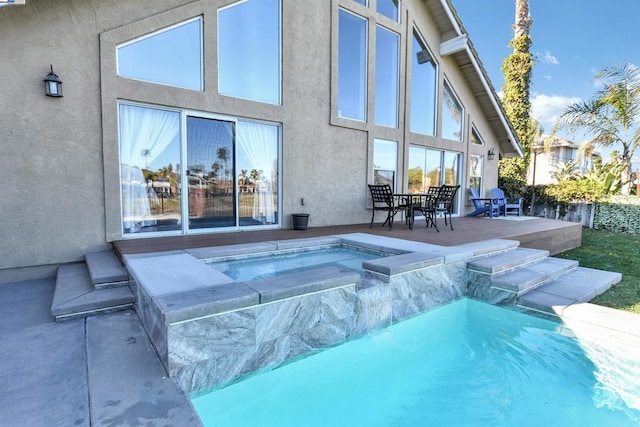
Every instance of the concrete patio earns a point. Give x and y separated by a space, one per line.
100 370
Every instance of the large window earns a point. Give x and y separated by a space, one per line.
150 175
475 172
423 89
452 115
172 56
385 160
230 178
475 138
386 95
425 169
352 66
389 8
432 168
257 173
249 50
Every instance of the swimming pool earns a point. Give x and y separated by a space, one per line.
464 363
262 266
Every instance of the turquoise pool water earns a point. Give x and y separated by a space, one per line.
275 264
464 364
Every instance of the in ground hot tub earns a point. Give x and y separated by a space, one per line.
261 266
209 328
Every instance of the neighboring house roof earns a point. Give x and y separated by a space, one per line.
457 45
557 142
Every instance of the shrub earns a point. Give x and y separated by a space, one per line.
619 214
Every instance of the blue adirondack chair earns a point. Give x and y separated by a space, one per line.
482 206
507 205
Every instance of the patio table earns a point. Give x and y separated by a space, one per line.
422 202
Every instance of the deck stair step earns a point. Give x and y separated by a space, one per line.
579 285
75 295
533 275
507 261
106 270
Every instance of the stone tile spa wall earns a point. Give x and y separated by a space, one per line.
209 330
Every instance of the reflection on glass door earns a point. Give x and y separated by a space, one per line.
217 172
210 173
432 168
424 169
149 169
257 173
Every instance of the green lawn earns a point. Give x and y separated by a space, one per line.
613 252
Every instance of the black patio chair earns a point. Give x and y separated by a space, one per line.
445 202
428 206
383 200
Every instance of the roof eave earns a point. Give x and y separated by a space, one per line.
509 144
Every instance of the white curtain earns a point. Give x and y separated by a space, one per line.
144 134
258 143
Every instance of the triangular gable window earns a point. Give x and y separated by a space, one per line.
171 56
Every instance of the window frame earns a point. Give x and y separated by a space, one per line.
398 11
279 59
166 29
365 83
446 86
183 115
417 36
385 167
396 84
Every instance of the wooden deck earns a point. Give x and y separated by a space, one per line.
554 236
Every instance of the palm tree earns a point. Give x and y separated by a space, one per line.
255 175
611 117
224 156
564 171
146 153
243 178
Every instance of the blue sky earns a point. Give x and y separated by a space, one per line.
572 41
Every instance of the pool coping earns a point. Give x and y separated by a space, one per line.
205 291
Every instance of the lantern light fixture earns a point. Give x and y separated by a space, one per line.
53 84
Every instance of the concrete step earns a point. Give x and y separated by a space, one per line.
127 383
530 277
106 270
579 285
507 261
75 295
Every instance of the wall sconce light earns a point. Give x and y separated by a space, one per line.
491 154
52 84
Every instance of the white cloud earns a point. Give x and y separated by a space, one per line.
548 58
547 108
547 76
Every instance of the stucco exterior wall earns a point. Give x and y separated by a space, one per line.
60 167
52 203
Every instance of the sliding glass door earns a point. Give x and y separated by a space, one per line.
210 173
432 168
257 173
150 175
230 180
